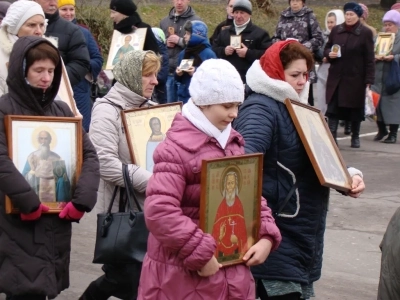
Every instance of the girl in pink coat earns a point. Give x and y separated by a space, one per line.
180 262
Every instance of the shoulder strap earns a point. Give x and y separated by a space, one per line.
130 193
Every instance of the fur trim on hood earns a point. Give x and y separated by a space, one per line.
278 90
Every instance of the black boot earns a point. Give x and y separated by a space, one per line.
93 292
347 127
391 139
355 136
382 131
333 125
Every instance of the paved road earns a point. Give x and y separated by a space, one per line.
354 228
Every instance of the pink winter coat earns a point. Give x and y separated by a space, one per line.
177 248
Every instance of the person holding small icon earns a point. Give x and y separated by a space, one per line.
198 49
253 39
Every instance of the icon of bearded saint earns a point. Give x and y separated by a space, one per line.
39 171
229 230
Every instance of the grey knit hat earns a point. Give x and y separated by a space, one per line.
243 5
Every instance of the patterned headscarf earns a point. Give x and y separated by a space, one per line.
128 71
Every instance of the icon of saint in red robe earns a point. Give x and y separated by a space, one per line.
229 230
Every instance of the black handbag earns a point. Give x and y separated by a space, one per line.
393 79
121 237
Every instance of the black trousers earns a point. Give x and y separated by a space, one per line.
262 294
121 281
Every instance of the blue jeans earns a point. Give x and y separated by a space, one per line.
172 89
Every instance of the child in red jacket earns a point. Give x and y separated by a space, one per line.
180 262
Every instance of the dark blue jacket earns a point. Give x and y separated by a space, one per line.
266 127
82 90
160 91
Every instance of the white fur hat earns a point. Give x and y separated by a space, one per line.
216 81
18 13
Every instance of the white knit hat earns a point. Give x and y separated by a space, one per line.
216 81
18 13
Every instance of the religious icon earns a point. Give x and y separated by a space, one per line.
51 163
384 44
236 41
123 43
186 64
320 146
171 30
146 128
336 49
230 204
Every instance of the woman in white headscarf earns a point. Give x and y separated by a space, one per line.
333 18
23 18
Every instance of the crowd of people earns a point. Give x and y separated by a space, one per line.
233 96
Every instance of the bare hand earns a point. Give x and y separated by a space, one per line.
178 71
173 38
241 52
333 55
170 45
258 253
378 57
229 50
191 70
357 187
388 57
324 60
210 268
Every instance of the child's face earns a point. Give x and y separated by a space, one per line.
331 22
221 115
186 37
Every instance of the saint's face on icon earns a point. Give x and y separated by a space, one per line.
230 183
128 38
155 125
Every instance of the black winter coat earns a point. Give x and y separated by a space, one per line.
221 26
35 255
351 72
256 39
266 127
160 91
72 46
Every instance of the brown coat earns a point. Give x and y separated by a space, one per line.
351 72
34 255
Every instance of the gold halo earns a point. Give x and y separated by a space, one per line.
147 123
232 168
35 134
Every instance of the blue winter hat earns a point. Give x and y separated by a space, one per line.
354 7
198 31
197 28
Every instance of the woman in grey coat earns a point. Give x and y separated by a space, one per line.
136 77
388 110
